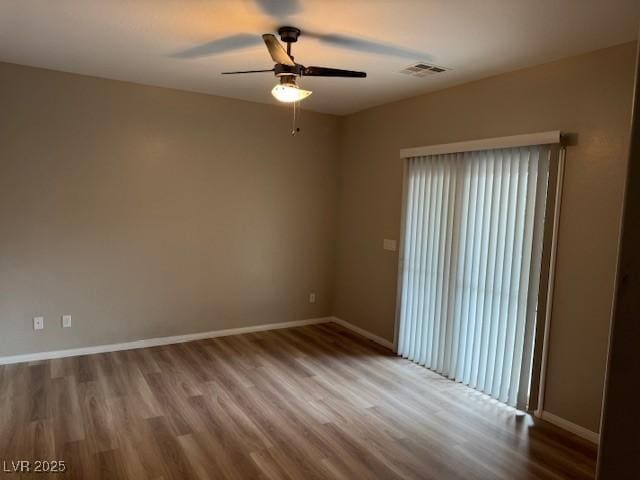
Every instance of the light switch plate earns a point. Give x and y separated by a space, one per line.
66 321
389 244
312 297
38 323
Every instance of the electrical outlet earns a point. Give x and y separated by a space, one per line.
66 321
312 297
38 323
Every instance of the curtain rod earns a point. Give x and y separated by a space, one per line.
541 138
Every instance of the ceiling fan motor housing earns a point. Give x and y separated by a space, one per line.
285 70
287 80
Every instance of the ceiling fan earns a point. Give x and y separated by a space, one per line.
287 70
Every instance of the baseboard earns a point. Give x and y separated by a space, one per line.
154 342
365 333
585 433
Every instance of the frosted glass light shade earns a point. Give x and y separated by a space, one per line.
289 93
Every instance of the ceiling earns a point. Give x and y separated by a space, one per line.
145 41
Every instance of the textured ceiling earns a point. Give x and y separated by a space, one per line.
145 41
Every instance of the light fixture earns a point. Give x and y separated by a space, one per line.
288 92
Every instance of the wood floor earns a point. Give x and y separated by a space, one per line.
315 402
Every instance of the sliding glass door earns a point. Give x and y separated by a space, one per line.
470 266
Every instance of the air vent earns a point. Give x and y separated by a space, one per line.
422 69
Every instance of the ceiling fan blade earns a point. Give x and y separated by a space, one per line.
367 46
331 72
279 8
277 51
246 71
221 45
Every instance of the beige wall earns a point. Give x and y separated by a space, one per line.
146 212
590 96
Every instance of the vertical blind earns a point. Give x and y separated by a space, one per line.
470 266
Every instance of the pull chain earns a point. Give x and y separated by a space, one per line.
294 128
